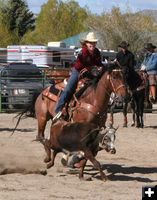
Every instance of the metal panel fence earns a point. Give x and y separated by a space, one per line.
17 92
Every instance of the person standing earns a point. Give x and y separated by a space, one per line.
150 65
88 57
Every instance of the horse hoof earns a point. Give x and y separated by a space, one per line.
46 160
49 165
138 126
104 179
133 124
39 138
125 125
141 126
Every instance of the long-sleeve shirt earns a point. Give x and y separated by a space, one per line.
126 60
87 60
150 61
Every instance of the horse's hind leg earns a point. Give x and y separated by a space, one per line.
42 116
133 112
47 150
41 128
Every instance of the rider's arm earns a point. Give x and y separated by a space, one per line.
81 62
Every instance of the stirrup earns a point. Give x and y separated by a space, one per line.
57 116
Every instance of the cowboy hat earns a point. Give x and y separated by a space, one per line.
90 37
123 44
149 46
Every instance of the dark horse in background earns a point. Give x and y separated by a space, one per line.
91 106
138 93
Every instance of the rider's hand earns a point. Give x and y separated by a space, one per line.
87 74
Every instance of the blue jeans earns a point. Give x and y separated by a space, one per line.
69 90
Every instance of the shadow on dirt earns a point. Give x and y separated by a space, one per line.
154 127
25 130
121 173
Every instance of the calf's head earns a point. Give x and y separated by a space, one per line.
107 139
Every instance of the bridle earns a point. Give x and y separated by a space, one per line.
111 81
93 109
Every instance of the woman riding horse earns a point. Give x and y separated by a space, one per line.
88 57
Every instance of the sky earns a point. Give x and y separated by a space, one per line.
98 6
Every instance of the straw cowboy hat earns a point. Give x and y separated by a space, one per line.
90 37
124 45
149 46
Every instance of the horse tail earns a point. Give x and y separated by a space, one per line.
29 111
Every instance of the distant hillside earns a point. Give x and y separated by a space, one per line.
152 13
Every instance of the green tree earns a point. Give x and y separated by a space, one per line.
18 17
58 20
6 37
116 26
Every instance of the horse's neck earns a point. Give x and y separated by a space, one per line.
103 91
99 96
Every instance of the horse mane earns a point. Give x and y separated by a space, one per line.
109 67
92 85
134 80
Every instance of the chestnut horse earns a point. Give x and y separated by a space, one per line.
90 107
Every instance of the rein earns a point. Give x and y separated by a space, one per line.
93 109
113 86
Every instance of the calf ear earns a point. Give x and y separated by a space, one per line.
103 131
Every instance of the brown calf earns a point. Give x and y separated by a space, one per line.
78 136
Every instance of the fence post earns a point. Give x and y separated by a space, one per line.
0 94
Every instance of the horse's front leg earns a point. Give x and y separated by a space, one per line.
141 105
51 163
47 147
138 124
125 106
141 116
137 109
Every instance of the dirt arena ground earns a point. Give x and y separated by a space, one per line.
22 170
